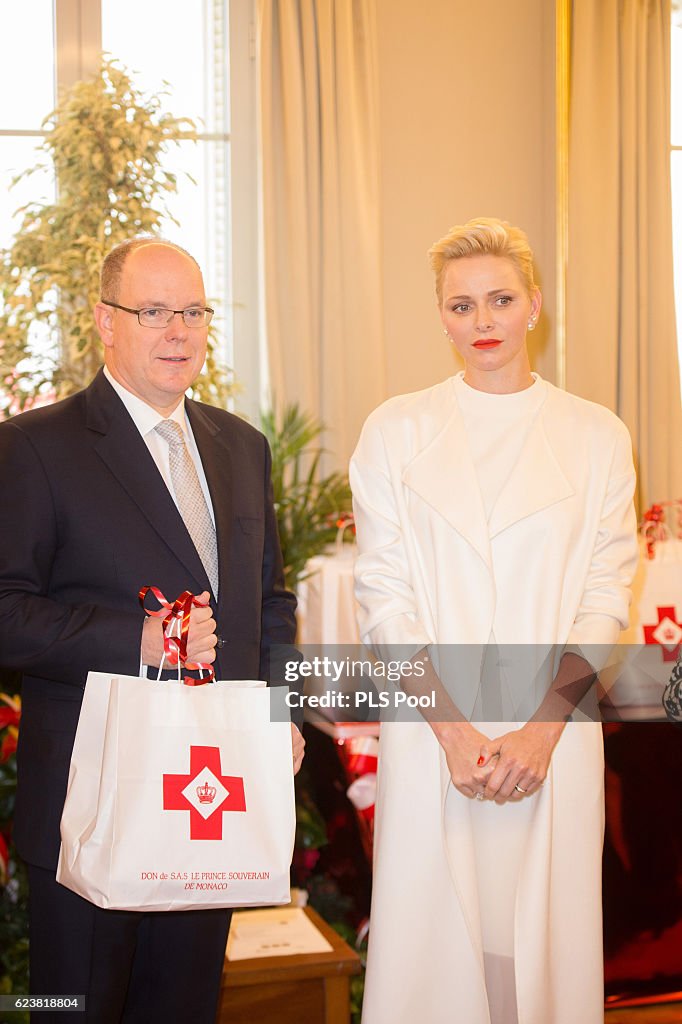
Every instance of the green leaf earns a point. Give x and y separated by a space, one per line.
307 504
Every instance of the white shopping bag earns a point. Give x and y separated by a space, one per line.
179 798
656 613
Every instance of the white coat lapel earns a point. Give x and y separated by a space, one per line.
536 482
444 476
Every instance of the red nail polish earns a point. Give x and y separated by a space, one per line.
480 761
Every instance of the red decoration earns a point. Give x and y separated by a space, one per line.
654 526
359 757
8 716
4 860
9 745
175 647
667 632
9 719
174 799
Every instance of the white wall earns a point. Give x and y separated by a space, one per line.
466 108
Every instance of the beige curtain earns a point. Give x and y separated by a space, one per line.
318 99
621 336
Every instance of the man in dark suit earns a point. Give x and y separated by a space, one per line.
93 507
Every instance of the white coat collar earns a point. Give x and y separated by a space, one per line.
443 475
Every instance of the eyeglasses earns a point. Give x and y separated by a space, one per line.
157 316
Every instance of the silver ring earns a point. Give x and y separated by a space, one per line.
519 790
479 796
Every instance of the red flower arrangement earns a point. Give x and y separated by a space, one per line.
13 882
10 713
9 721
4 860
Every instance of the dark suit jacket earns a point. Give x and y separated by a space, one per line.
85 521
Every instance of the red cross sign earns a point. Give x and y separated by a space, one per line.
667 632
205 793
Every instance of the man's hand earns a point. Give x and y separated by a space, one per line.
297 747
524 759
201 637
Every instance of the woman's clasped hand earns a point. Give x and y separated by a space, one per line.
508 767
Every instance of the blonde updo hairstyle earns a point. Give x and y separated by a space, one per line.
483 236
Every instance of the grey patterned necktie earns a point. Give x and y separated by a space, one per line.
190 499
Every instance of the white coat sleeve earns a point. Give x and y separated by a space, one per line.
388 613
604 606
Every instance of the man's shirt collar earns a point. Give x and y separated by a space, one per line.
143 415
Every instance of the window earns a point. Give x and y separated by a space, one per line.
27 94
676 158
203 50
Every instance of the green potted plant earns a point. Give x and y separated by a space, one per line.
310 507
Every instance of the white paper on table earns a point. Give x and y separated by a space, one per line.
273 932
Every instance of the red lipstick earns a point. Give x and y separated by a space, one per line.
487 343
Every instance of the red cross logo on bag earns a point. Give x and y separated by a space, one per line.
205 793
667 632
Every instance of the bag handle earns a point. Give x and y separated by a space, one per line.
344 522
175 644
144 668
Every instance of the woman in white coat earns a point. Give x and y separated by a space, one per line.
492 510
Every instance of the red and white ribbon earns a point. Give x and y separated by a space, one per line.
175 647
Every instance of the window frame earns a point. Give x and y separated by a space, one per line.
675 148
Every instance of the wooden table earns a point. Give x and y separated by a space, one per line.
311 988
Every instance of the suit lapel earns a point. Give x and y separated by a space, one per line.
122 449
443 475
216 459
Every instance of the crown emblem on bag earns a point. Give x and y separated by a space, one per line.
206 793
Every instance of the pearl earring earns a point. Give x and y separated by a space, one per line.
445 332
531 324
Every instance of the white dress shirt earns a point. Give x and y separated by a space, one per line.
146 419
